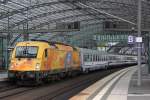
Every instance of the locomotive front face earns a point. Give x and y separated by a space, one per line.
25 59
25 62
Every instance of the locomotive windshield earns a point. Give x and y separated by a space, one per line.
26 52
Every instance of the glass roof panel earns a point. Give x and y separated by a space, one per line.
39 13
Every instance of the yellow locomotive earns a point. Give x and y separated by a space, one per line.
39 60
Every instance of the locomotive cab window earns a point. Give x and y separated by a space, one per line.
26 52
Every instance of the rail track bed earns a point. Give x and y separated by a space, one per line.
58 90
6 86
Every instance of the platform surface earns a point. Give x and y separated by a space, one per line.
140 92
121 85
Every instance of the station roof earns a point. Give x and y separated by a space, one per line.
40 13
45 14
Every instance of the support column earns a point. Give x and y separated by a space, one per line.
5 53
1 53
148 53
25 33
6 44
139 44
26 36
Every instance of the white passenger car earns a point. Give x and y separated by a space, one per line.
94 59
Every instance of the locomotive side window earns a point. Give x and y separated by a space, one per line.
46 53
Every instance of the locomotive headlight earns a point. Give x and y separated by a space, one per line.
37 67
11 66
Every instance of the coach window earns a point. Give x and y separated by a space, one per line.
87 59
84 57
104 58
115 58
90 58
100 58
107 58
112 57
94 57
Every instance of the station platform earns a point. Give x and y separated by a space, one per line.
3 76
121 85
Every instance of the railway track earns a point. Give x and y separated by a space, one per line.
67 91
5 86
56 91
7 90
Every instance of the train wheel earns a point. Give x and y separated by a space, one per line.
86 71
106 67
70 74
46 80
62 75
75 73
38 79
